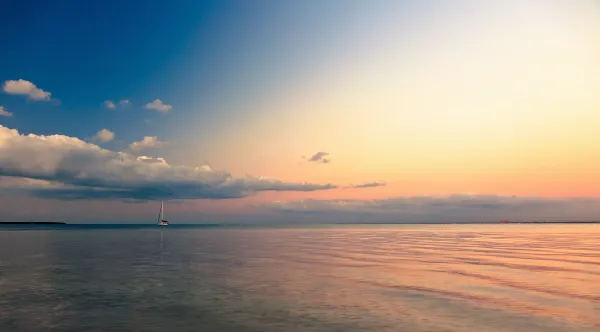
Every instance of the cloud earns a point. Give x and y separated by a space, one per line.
105 135
83 171
23 87
4 112
148 142
159 106
14 183
452 208
367 185
152 160
109 104
319 157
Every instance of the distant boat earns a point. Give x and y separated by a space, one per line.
161 217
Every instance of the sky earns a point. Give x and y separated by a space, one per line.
300 111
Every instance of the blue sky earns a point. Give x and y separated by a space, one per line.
206 58
397 95
215 62
88 52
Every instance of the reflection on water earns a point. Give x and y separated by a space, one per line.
387 278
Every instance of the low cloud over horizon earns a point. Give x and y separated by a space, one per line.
366 185
450 208
70 168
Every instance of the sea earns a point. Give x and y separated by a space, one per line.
304 278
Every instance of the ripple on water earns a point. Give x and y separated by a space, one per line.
384 278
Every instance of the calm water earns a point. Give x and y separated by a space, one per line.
369 278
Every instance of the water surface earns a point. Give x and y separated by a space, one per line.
338 278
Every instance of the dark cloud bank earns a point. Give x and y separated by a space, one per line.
452 208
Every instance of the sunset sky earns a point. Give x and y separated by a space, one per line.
300 111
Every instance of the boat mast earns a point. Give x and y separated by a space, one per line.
162 217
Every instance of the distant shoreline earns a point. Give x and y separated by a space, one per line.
32 223
479 223
229 225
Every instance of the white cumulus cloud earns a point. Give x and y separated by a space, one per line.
148 142
109 104
4 112
105 135
113 105
153 160
26 88
159 106
86 171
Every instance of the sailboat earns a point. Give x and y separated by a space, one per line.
161 217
